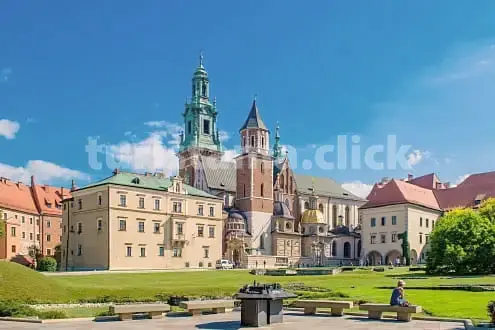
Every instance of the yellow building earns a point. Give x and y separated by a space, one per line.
134 221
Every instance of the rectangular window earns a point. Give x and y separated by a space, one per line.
141 202
156 227
177 252
373 239
13 248
5 216
99 199
161 251
420 238
48 224
38 237
23 220
207 253
177 207
79 227
23 234
383 238
179 228
201 230
48 238
421 222
80 204
12 231
37 221
79 250
157 204
394 237
212 211
373 222
99 224
30 236
384 221
65 207
143 252
200 209
427 238
122 225
141 226
123 200
189 126
129 251
432 224
211 231
427 222
206 126
394 220
49 252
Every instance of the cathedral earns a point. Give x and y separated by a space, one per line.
273 216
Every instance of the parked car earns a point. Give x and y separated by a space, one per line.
224 264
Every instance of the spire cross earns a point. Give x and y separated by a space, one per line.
201 58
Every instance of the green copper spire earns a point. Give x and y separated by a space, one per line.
277 148
200 115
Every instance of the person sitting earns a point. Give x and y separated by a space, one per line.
397 298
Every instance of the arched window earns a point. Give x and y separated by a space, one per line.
320 207
347 250
262 141
347 216
177 187
334 249
262 188
262 241
193 90
334 216
243 141
262 167
306 205
281 181
244 186
204 89
252 140
290 187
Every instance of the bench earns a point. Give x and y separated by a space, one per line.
310 306
403 313
125 311
196 307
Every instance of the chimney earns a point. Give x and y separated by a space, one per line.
438 185
116 171
409 177
33 184
447 185
73 186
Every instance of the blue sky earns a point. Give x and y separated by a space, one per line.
120 71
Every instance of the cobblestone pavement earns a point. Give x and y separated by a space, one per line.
292 321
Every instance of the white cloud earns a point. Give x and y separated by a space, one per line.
43 171
417 156
5 74
223 135
462 178
358 188
9 128
168 130
229 155
151 154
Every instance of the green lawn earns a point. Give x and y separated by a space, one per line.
356 286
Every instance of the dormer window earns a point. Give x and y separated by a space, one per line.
177 188
477 202
135 180
49 205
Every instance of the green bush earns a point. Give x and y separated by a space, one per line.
51 315
378 269
47 264
15 309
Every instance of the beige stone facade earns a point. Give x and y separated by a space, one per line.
382 225
118 227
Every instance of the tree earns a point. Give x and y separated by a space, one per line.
463 242
34 252
47 264
487 209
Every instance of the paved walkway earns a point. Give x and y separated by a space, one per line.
293 321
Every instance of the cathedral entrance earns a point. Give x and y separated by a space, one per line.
236 257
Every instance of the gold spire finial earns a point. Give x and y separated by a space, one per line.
201 58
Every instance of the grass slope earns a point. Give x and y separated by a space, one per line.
19 283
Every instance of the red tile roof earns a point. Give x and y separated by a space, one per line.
400 192
423 191
16 196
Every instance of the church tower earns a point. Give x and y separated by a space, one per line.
200 138
255 181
